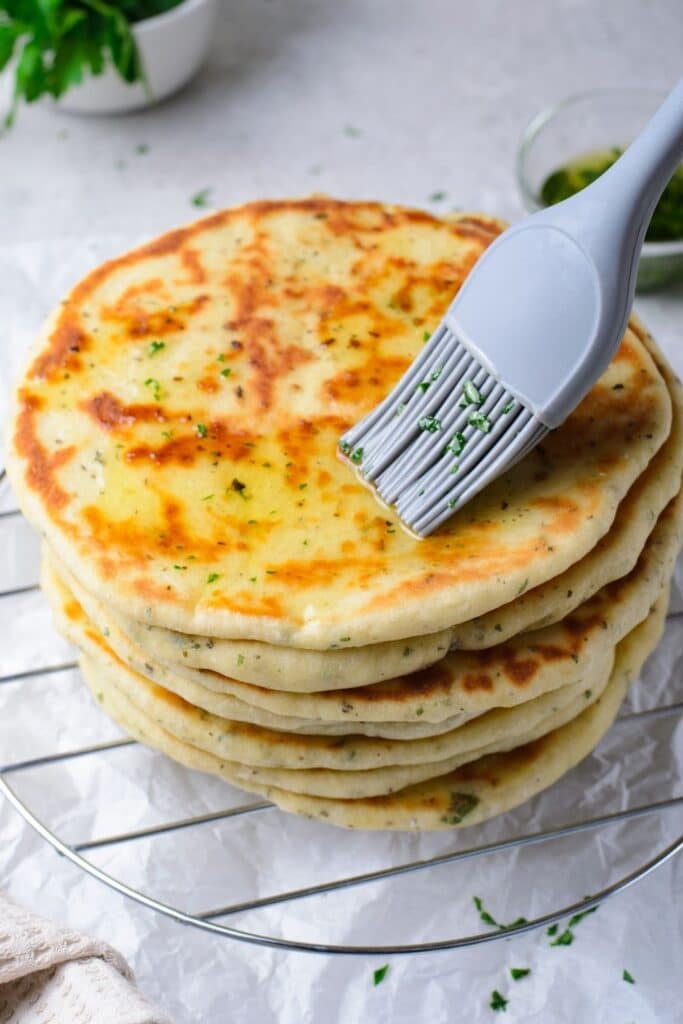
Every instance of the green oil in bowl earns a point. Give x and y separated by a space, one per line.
667 220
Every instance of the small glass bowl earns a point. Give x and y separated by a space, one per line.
582 124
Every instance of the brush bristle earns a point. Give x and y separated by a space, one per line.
445 431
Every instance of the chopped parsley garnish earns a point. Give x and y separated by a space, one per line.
453 502
426 335
426 384
471 394
238 487
226 372
142 148
357 456
437 197
344 639
457 443
202 198
481 422
180 568
212 577
155 387
551 930
430 424
508 407
627 976
497 1001
517 973
155 346
344 447
302 487
459 806
400 408
240 659
565 939
201 430
580 916
207 497
380 974
487 918
351 131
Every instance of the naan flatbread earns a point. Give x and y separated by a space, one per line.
174 434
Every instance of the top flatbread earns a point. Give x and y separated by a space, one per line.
175 432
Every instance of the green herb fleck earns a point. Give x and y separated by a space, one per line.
400 408
517 973
551 930
302 487
155 346
481 422
357 456
180 568
351 131
212 577
497 1001
207 497
580 916
426 335
426 384
202 198
226 372
155 387
487 918
142 148
239 488
565 939
627 976
240 659
437 197
453 502
459 806
344 447
471 393
508 407
380 974
344 639
457 443
201 430
430 424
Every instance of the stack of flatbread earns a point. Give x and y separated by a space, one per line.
242 602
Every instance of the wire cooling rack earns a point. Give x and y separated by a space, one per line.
562 835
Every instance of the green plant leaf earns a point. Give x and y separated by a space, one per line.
8 37
30 79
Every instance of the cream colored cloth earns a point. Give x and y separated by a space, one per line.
53 975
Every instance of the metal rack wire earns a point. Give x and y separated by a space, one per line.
213 918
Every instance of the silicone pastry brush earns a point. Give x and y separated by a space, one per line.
532 328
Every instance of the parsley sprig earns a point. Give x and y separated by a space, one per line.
59 43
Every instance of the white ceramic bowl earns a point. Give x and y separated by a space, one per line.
173 46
